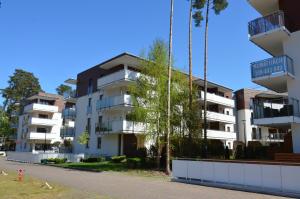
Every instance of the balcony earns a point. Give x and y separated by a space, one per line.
269 32
69 113
40 108
273 137
276 112
115 102
67 132
217 134
34 121
216 99
117 79
42 136
273 73
121 126
265 7
220 117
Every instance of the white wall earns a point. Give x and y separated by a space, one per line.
258 177
292 49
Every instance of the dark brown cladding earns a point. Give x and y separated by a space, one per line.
291 9
92 74
243 97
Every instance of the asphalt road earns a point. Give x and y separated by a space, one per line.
122 186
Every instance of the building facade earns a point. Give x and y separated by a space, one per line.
278 33
246 129
40 123
104 102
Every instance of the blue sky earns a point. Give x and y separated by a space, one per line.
57 39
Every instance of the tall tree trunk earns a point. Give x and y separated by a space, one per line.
205 78
158 147
190 76
168 171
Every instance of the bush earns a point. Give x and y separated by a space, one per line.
134 163
94 159
215 148
118 159
55 160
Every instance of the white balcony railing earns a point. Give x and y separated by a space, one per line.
216 134
121 100
220 117
217 99
42 121
42 136
122 75
40 107
121 126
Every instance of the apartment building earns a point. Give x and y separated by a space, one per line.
278 33
40 123
246 129
104 102
220 112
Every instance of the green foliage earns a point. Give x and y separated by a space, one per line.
215 148
54 160
5 129
134 163
21 85
217 6
94 159
62 89
84 138
149 96
118 159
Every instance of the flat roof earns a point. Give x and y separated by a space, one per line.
134 61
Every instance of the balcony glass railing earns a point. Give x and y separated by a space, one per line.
69 113
266 23
275 108
267 67
67 132
114 101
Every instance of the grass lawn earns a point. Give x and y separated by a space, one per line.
32 188
115 167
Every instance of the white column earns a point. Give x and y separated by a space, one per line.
296 138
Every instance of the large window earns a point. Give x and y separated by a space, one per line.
99 142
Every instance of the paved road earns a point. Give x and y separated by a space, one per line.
121 186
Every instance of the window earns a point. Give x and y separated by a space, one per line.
252 118
100 97
90 102
43 116
41 130
99 142
90 86
227 112
254 137
259 133
228 129
88 130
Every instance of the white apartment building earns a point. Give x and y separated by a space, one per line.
40 124
278 33
220 112
103 103
246 129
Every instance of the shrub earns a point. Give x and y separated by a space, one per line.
215 148
118 159
55 160
134 163
94 159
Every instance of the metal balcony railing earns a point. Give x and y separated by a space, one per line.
267 67
275 108
266 23
67 132
69 113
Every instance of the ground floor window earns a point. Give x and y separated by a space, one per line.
99 142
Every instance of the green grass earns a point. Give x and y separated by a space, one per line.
30 188
114 167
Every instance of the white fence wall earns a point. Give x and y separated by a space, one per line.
262 177
36 158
